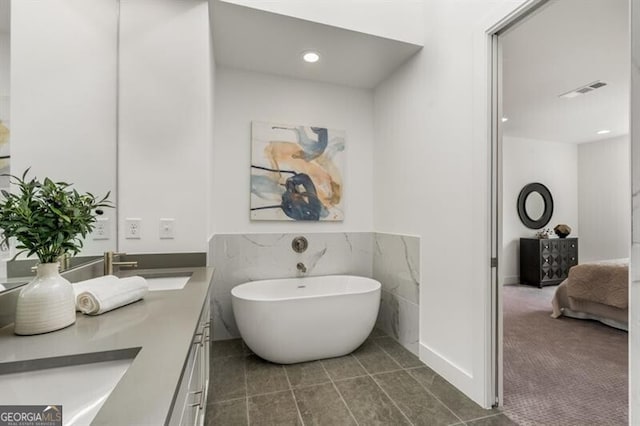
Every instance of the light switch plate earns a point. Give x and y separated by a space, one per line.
167 228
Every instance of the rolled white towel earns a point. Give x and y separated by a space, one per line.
82 286
100 298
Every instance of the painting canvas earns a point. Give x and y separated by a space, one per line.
296 172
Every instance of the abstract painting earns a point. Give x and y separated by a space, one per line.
296 172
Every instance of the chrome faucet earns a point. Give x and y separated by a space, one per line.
301 268
109 263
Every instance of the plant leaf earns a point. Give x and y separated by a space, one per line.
47 218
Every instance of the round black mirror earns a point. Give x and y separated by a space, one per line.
535 205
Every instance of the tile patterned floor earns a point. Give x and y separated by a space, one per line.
381 383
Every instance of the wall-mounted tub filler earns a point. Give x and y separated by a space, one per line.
299 244
303 319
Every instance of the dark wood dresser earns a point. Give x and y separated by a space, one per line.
546 261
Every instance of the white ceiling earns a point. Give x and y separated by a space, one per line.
565 45
262 41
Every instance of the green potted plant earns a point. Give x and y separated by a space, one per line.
49 220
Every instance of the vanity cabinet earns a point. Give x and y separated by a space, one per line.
546 261
191 398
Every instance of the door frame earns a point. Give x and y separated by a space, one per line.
495 347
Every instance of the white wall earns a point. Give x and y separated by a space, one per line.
5 62
243 96
604 211
5 110
634 290
555 165
63 95
211 199
164 129
397 19
431 160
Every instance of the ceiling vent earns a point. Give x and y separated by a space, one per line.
583 89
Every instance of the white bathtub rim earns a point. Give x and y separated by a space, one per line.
377 286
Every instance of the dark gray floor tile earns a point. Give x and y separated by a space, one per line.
273 409
227 413
227 378
221 348
414 401
306 373
499 420
368 403
322 405
377 333
264 377
457 402
345 367
401 355
247 350
374 359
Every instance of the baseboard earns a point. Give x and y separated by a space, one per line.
511 279
454 374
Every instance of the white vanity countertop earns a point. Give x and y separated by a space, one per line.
161 326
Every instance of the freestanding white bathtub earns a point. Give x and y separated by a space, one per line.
303 319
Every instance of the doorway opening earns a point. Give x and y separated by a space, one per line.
561 185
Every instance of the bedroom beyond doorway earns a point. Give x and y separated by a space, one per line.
564 261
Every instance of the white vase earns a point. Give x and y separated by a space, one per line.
45 304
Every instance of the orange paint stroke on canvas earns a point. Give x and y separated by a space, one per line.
324 174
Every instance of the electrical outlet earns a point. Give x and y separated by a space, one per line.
101 231
167 228
133 228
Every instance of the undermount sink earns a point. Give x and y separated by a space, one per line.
81 388
169 281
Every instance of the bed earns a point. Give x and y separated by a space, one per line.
597 291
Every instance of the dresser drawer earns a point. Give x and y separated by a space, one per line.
547 261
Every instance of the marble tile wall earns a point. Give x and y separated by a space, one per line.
391 259
239 258
396 264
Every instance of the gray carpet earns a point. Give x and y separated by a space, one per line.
561 371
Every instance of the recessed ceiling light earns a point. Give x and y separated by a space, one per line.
603 131
311 57
505 119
